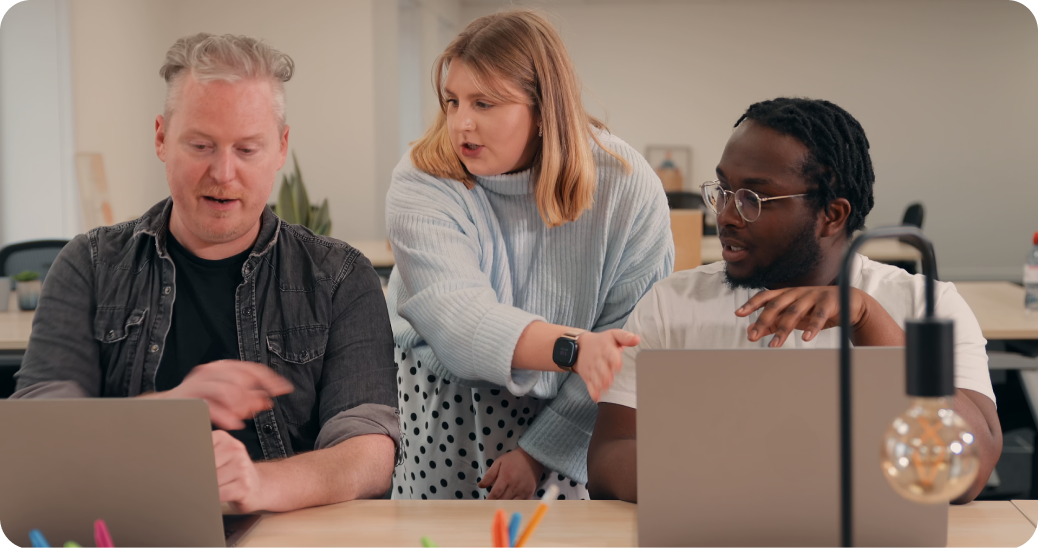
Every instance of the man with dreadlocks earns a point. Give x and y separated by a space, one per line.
793 184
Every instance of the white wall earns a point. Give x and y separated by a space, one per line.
343 91
946 91
38 197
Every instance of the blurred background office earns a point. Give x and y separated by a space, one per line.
945 90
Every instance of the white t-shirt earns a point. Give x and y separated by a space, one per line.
694 309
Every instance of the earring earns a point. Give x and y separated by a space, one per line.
540 131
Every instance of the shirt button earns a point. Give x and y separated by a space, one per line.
267 429
248 268
154 348
166 290
111 334
305 355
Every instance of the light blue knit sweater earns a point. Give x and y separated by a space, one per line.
475 267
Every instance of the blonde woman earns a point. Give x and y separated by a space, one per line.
515 220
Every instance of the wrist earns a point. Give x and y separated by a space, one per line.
565 351
534 465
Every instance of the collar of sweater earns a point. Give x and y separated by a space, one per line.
508 183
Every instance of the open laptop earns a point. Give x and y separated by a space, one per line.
145 467
741 448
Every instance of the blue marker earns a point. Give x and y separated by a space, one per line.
37 539
513 529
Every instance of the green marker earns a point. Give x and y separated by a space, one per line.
71 544
426 542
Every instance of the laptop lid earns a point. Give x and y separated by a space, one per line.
741 448
146 467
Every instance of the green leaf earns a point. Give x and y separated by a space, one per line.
302 203
285 208
321 223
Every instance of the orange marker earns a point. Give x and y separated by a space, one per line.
499 529
542 508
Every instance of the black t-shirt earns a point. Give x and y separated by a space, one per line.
204 327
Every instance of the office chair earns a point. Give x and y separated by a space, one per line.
914 217
30 255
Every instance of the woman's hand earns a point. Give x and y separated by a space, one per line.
513 476
815 308
600 357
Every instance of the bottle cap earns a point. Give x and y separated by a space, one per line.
1036 239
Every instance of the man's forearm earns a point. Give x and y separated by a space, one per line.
612 470
987 436
358 468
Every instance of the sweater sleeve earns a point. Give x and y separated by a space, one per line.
447 298
560 437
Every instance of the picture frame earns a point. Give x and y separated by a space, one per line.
673 165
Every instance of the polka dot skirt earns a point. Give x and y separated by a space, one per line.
452 435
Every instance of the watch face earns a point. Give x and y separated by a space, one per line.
565 352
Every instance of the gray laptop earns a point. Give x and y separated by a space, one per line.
741 448
145 467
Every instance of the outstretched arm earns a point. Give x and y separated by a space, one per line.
612 460
360 467
979 412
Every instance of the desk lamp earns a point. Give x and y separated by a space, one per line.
927 453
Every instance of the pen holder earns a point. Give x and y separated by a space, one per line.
28 294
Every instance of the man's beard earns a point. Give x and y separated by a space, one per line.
802 256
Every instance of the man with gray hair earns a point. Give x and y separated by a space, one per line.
209 295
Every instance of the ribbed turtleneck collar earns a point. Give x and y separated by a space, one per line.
518 183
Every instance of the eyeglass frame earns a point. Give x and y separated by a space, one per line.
725 192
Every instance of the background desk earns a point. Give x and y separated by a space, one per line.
886 250
15 327
999 307
568 524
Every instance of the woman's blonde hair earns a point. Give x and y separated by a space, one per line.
521 46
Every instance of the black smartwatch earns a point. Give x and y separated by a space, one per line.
565 352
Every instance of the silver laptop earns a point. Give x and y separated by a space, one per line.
145 467
741 448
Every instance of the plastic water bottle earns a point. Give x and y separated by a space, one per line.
1031 278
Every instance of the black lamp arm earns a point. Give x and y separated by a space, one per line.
910 235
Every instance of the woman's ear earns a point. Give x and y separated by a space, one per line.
836 216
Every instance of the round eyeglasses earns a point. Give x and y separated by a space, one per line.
747 202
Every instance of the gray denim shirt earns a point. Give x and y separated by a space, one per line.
310 307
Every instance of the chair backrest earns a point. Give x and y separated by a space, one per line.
913 215
31 255
683 200
687 229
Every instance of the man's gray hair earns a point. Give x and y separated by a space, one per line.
230 58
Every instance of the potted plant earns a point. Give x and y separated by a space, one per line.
294 204
28 285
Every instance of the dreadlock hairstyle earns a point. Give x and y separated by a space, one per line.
838 159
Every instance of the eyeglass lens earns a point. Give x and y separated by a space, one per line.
746 201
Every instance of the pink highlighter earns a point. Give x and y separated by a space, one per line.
101 536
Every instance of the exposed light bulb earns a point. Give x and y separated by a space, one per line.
928 453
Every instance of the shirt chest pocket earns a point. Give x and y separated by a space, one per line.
298 356
118 333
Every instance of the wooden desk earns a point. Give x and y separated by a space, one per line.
377 252
15 327
567 524
988 524
999 307
1029 507
885 250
